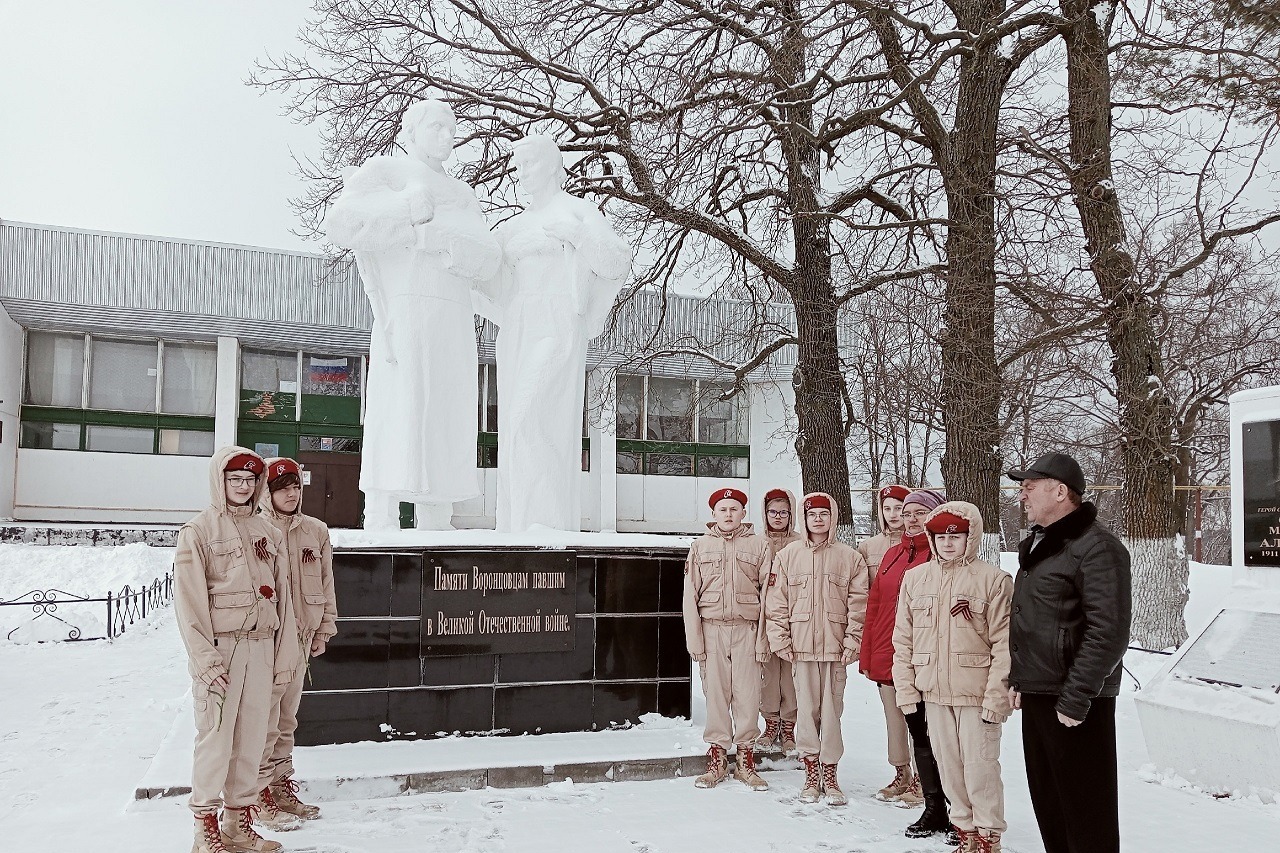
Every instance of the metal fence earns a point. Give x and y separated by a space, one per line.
123 609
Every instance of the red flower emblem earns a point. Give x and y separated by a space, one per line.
267 592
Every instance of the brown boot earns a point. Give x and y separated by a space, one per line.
788 744
968 840
911 798
745 770
769 740
270 815
239 835
208 836
812 789
987 841
835 797
900 785
285 793
717 768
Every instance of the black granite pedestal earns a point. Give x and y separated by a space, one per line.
437 641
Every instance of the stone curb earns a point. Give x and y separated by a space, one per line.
444 781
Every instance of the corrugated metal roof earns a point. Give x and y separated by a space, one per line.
74 280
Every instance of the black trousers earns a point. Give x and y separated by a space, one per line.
1072 775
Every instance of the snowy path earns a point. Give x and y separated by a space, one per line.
80 722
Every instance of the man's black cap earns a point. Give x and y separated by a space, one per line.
1059 466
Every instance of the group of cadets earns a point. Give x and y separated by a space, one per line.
773 622
255 601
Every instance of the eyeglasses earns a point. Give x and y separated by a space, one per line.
915 514
242 481
777 513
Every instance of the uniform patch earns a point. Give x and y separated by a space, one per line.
961 608
260 548
308 556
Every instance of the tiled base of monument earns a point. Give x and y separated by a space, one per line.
437 639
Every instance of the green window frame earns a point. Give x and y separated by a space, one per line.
85 418
696 450
652 457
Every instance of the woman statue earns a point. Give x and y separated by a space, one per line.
562 268
420 243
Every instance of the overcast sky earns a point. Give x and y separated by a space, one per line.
132 115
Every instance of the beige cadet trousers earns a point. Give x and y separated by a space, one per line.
820 697
229 739
968 754
277 758
896 725
777 690
731 682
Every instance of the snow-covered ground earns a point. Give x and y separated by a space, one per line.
80 724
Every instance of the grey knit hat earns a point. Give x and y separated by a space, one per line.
928 498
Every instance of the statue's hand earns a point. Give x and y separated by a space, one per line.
387 329
567 230
421 210
432 238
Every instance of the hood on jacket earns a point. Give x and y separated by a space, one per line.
764 513
835 517
964 509
217 488
264 502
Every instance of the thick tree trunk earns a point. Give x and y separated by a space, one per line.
1146 414
818 379
970 377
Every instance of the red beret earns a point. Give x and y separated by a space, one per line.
244 462
894 491
817 502
280 467
777 495
947 522
729 494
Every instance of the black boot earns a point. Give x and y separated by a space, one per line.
934 819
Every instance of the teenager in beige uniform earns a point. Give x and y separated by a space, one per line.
235 614
778 687
951 648
873 548
815 606
723 578
315 607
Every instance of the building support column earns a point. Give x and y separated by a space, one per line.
226 400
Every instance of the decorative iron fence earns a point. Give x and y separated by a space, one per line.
123 609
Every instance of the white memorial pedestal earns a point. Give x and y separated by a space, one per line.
1212 713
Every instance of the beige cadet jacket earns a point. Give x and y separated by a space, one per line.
817 598
951 636
310 567
875 547
723 578
219 577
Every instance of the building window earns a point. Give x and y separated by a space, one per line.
55 370
328 444
681 428
136 395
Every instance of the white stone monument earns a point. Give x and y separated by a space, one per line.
562 267
421 244
1212 713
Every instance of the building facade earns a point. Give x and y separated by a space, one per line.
125 360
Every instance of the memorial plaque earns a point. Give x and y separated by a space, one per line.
499 602
1240 648
1261 450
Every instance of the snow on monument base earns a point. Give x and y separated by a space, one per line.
1212 714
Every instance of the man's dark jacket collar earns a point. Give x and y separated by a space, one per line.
1057 535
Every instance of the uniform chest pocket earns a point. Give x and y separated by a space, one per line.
749 565
312 581
710 577
225 555
971 611
922 611
800 594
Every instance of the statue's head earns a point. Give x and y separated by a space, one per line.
427 130
538 163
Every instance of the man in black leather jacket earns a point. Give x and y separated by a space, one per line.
1067 638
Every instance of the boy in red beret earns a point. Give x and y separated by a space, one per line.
951 651
816 604
315 606
235 614
723 578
